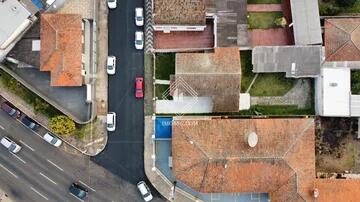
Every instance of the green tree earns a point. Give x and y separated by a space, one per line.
346 3
355 82
40 105
280 22
62 125
328 9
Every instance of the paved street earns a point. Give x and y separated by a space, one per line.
41 172
123 155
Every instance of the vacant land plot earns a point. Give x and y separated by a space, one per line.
337 146
263 20
264 1
165 65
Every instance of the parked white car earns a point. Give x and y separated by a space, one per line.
111 65
139 40
10 145
145 191
139 16
52 139
111 121
111 3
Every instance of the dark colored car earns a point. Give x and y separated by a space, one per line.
30 123
12 111
77 190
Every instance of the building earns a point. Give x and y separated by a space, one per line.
62 48
244 155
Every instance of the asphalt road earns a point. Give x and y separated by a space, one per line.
124 153
41 172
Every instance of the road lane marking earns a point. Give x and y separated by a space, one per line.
22 142
9 171
20 159
36 191
29 128
87 186
58 167
76 197
1 127
47 178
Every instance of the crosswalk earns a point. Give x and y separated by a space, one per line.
149 30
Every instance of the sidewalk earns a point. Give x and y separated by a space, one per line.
4 197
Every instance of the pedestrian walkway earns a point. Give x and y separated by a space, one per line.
149 30
264 7
164 82
299 95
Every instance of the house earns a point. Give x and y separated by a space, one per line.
275 156
295 61
334 190
306 22
62 48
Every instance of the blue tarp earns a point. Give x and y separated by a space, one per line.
163 128
38 4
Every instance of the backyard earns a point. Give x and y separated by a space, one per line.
264 20
339 7
165 65
267 84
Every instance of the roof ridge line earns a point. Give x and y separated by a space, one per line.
351 36
306 127
204 175
296 185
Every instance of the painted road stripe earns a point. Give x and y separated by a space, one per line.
20 159
47 178
2 127
87 186
22 142
76 197
58 167
9 171
36 191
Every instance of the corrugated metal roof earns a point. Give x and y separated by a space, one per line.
306 19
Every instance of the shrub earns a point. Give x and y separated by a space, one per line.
62 125
345 3
328 9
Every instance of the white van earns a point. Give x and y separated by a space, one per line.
111 121
10 145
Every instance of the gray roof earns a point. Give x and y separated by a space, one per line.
13 18
306 59
306 19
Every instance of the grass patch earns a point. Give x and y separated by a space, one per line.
246 70
271 84
39 105
160 90
165 65
264 1
263 20
83 129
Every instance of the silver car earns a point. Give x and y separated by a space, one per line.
10 145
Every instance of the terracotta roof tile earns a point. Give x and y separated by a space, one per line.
342 39
61 48
335 190
282 163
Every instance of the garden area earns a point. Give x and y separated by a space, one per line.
161 92
265 20
165 65
267 84
355 82
339 7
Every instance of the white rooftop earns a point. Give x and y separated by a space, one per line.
13 20
336 91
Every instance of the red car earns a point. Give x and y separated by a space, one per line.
139 89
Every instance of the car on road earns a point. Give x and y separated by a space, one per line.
10 145
139 17
30 123
139 87
111 65
145 191
112 3
52 139
111 121
9 109
78 190
139 40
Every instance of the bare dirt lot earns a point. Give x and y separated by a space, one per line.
337 146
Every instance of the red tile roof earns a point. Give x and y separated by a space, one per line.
214 156
342 39
335 190
61 48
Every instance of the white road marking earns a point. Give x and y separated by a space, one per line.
30 129
9 171
58 167
22 142
36 191
87 186
47 178
20 159
76 197
2 127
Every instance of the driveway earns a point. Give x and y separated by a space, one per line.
124 154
